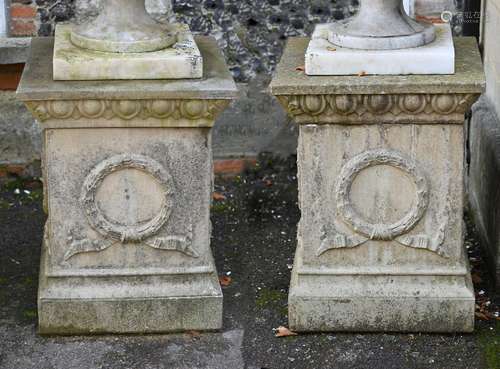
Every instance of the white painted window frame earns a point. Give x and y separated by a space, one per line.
3 18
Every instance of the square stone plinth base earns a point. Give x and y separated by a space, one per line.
182 60
326 59
128 304
378 303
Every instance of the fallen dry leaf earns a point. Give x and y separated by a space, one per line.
482 316
217 196
194 334
362 73
301 68
225 280
476 278
329 48
284 332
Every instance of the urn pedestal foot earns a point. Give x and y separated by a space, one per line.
379 302
137 304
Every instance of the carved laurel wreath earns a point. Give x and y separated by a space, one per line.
115 232
364 230
381 231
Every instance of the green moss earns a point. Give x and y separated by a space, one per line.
12 185
489 340
35 195
3 280
269 297
4 204
30 313
220 207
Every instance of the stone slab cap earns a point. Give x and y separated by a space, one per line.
14 50
323 58
73 63
290 78
37 81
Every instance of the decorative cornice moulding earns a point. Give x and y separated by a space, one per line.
383 108
197 111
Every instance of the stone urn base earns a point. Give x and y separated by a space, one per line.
179 61
323 58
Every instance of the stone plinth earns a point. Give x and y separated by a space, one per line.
127 167
381 169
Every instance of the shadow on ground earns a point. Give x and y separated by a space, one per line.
254 229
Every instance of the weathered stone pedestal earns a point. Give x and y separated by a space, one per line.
381 171
127 167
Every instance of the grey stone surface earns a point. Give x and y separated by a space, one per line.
14 50
20 141
181 60
326 58
253 124
468 77
347 276
212 351
37 81
128 192
484 180
370 258
94 282
491 28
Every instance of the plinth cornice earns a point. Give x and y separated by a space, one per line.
170 112
378 108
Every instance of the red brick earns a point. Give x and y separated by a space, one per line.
17 170
430 19
233 167
22 11
10 74
22 27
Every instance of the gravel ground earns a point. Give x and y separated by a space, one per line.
254 219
